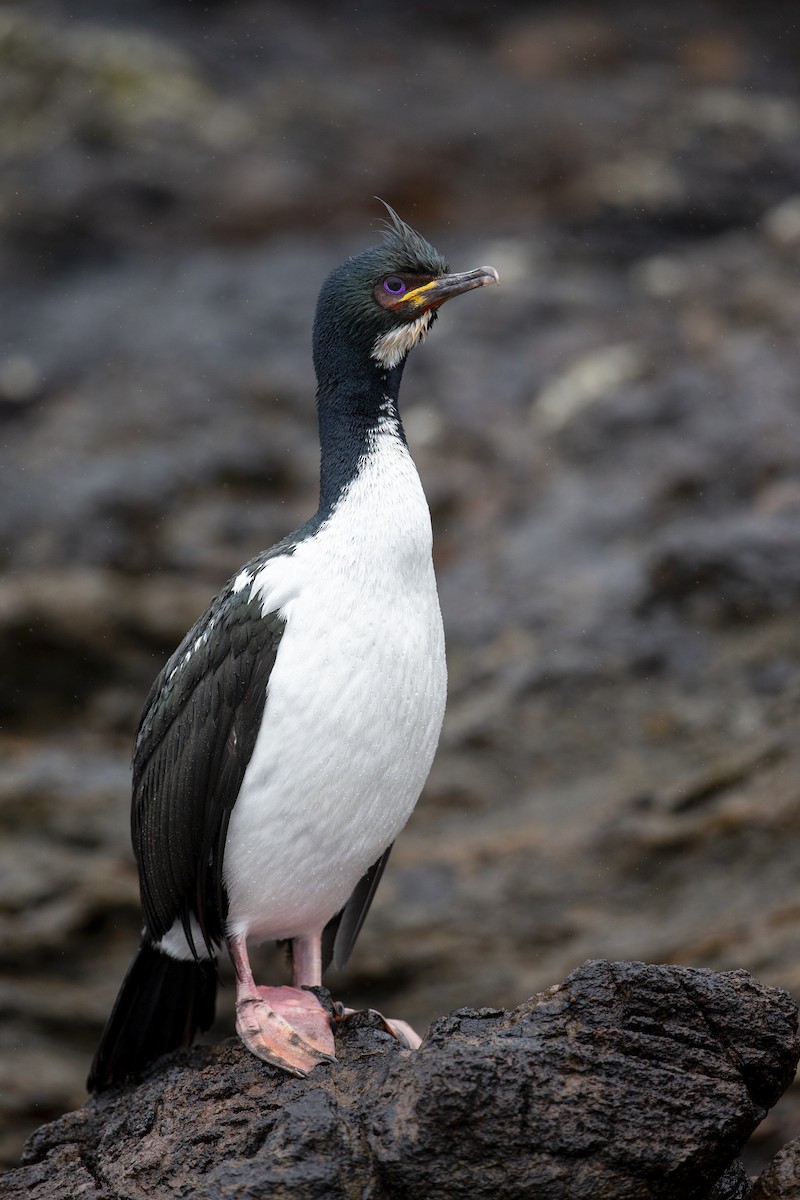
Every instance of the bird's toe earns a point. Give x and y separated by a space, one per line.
408 1037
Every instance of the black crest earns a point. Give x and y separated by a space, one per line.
408 250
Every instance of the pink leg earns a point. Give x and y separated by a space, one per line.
307 961
307 972
285 1026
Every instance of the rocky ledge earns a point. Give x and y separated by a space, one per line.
624 1081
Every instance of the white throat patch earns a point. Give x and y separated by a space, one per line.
395 344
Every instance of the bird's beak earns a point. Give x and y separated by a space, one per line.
433 294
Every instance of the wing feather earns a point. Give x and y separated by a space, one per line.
196 736
340 934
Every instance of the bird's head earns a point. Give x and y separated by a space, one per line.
380 303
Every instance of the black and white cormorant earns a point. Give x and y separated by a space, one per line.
285 743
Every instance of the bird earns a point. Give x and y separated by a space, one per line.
285 743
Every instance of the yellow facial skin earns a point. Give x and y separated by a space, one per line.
420 297
436 291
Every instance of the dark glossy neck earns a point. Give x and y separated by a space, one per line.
353 400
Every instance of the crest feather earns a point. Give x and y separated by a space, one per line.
409 249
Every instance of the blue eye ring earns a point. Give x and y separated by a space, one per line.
394 285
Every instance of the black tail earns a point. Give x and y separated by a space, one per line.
162 1003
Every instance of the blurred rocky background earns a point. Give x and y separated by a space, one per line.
610 444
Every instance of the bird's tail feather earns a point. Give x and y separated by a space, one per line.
161 1005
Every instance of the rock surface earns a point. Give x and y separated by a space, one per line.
781 1179
626 1081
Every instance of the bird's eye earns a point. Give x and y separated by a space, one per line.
394 285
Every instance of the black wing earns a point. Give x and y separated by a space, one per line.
195 740
339 935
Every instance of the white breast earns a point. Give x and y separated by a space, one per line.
354 704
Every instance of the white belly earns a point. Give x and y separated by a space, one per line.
353 714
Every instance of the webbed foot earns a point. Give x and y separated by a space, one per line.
287 1027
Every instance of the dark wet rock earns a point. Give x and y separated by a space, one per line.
68 635
781 1179
734 569
733 1185
628 1081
